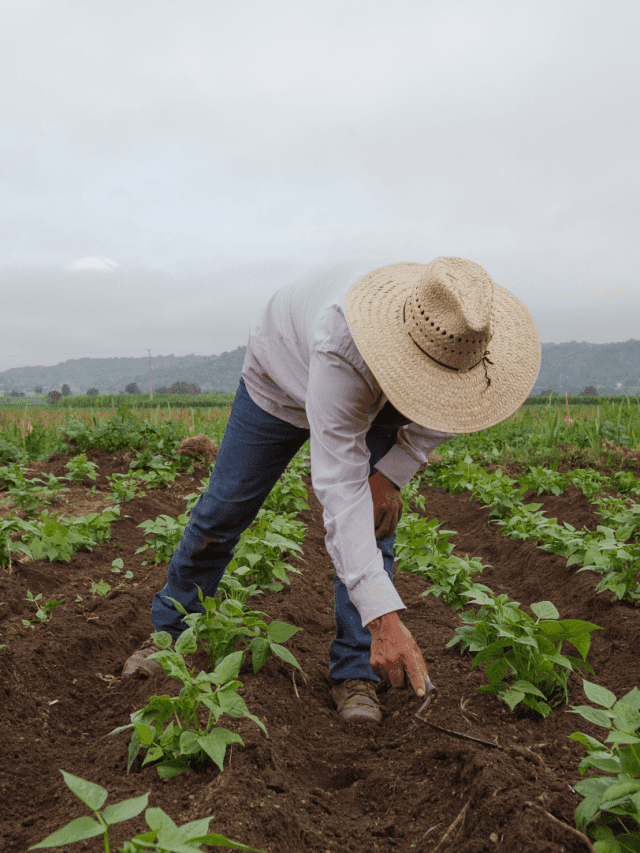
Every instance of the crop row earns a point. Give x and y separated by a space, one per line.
170 730
525 663
604 551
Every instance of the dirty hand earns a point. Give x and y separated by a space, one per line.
394 651
387 505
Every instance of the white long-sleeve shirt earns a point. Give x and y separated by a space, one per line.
303 367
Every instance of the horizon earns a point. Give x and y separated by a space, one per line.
218 355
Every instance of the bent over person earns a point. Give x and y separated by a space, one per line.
377 363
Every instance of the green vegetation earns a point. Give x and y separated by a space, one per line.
43 611
610 798
225 623
523 655
163 836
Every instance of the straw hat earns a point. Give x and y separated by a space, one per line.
451 349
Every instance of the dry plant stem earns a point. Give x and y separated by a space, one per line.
9 552
453 825
564 825
293 678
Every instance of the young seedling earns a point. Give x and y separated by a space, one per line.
117 566
163 836
100 588
43 611
80 468
123 487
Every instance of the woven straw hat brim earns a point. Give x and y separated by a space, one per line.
429 394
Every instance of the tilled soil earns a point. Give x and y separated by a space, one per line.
316 783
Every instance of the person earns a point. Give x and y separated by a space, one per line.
377 363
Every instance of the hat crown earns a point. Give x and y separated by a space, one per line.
449 312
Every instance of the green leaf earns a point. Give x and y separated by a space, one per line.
215 744
189 742
630 760
153 754
156 819
626 719
527 687
125 810
186 644
598 695
615 736
623 789
162 639
285 655
629 843
228 668
632 699
179 607
490 652
607 765
78 830
496 670
221 841
92 795
586 811
545 610
595 786
144 733
280 632
586 740
594 715
168 769
260 651
552 630
512 697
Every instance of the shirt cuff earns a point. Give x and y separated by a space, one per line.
375 595
397 466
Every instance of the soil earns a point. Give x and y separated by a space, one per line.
316 783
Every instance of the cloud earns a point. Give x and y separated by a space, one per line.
197 138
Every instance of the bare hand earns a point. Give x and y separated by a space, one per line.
394 652
387 505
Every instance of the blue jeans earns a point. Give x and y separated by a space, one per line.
255 450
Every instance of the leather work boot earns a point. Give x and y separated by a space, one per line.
356 701
138 664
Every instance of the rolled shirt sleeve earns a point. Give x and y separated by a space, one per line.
412 449
339 409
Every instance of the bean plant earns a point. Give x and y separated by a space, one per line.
43 610
169 728
610 810
524 655
29 495
224 624
59 538
164 836
80 468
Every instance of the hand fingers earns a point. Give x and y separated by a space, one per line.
417 672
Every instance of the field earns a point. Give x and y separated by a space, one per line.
489 778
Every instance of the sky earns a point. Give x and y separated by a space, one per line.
204 152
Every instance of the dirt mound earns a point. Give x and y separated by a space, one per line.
199 445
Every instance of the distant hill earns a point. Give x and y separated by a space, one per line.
566 368
110 375
570 367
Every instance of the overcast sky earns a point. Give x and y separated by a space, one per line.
212 149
